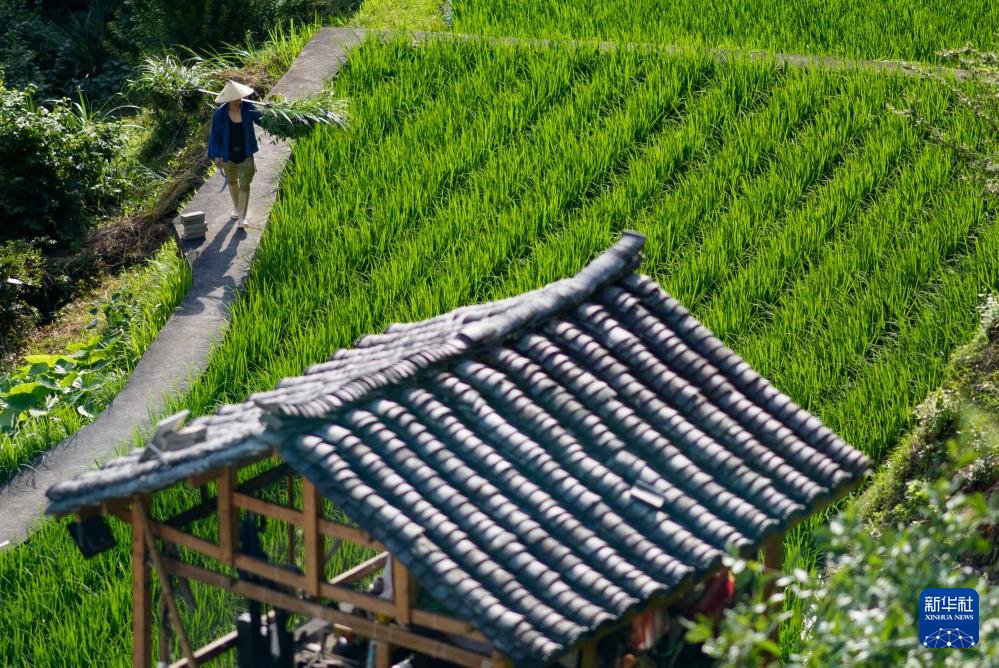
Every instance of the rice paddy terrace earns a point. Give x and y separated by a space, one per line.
814 230
896 29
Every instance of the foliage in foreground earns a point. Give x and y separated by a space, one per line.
861 609
894 29
928 519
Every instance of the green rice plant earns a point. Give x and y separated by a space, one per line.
410 15
287 44
784 203
747 302
895 29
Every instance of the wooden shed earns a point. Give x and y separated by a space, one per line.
536 470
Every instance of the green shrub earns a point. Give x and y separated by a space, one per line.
22 270
55 165
206 27
75 378
861 610
59 394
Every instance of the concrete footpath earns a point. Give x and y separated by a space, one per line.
219 264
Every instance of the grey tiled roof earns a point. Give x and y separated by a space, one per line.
542 464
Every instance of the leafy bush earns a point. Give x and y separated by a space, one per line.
55 165
21 270
133 317
48 381
28 43
860 611
205 27
961 416
62 46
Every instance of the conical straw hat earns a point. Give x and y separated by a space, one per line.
233 91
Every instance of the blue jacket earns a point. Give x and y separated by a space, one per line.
218 139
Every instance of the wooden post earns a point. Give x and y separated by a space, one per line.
773 562
312 509
164 654
291 526
165 587
141 595
588 654
228 517
383 654
773 552
499 660
405 590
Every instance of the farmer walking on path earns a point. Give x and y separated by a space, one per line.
232 143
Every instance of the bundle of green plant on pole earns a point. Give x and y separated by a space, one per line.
291 119
169 85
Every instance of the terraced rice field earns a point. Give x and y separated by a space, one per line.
812 228
895 29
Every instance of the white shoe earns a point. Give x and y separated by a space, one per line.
234 215
241 224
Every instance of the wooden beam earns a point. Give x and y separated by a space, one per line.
315 565
358 599
362 570
290 481
394 635
164 651
228 517
184 539
773 552
206 508
285 514
498 659
446 624
214 649
270 571
267 509
191 572
430 620
348 533
166 590
142 603
383 654
85 513
118 509
588 654
405 590
197 480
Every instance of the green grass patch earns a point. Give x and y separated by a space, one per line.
401 15
896 29
956 434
